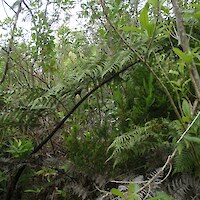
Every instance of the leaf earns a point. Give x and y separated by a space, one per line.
180 148
102 32
72 56
118 2
186 119
192 139
173 72
150 29
197 15
161 196
197 6
181 67
179 52
186 57
165 9
40 172
144 19
117 193
196 126
131 28
154 3
186 108
15 4
132 189
176 83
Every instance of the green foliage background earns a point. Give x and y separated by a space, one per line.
128 126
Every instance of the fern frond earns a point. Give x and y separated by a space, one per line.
184 161
128 140
185 187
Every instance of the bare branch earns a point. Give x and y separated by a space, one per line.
10 46
3 1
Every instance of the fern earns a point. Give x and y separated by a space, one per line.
184 187
128 140
141 140
138 141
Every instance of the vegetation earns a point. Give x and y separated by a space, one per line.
108 110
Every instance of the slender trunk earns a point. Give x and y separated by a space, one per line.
194 75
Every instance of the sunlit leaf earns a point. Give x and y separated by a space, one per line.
144 19
186 57
117 193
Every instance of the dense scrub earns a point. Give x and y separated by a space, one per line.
86 111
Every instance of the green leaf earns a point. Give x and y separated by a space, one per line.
186 119
144 19
179 52
192 139
117 193
196 126
132 189
131 28
160 196
102 32
154 3
180 148
197 6
150 29
40 172
118 2
186 108
186 57
173 72
197 15
165 9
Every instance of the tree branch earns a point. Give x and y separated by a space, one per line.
14 181
10 46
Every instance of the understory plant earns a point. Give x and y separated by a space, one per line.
83 109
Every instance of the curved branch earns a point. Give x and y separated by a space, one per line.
59 125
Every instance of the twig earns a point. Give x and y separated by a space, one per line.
3 1
10 46
128 182
169 172
170 157
188 128
102 191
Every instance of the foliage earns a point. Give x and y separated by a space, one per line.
125 82
140 140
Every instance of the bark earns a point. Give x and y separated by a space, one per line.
194 75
